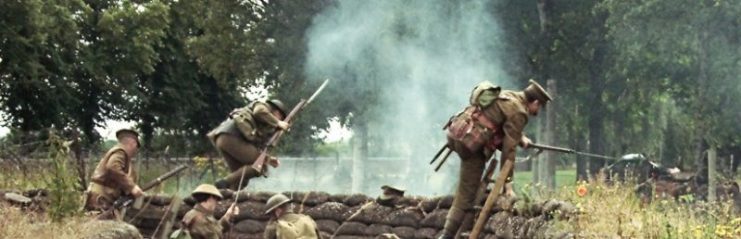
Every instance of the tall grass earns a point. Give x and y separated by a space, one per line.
616 212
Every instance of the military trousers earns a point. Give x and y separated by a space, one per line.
469 181
472 167
239 156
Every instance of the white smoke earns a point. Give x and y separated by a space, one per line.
422 58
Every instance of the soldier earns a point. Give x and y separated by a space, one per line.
390 196
494 121
285 224
114 177
199 222
240 138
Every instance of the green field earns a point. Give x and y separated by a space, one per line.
563 178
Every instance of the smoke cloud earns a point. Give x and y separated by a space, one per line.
421 59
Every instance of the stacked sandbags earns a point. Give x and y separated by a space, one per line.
358 216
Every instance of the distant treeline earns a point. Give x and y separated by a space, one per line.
660 77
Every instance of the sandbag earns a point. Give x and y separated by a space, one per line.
408 217
328 226
250 210
352 228
404 232
309 198
371 213
436 219
328 211
356 199
429 204
426 233
377 229
249 226
445 202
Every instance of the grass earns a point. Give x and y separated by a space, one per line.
20 224
563 178
606 211
616 212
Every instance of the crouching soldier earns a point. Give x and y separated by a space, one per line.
240 138
285 224
114 177
199 222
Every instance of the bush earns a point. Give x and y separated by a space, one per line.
63 197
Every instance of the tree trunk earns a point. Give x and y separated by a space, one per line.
360 155
549 174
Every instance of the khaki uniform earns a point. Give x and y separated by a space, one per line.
292 226
113 177
201 224
510 115
240 151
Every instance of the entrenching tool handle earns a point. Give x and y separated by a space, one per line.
437 155
493 195
445 158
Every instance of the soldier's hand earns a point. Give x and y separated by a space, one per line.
137 191
233 210
525 142
283 125
273 161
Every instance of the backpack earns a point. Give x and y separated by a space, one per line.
245 122
484 93
471 127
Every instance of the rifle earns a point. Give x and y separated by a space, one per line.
541 147
125 201
259 163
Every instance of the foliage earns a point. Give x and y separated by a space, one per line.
61 181
657 77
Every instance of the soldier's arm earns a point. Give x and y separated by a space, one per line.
262 113
115 167
513 127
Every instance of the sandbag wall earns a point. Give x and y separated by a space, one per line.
357 216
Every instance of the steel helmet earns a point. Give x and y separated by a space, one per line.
276 201
207 189
279 106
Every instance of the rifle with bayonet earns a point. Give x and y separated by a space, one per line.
541 147
125 201
259 163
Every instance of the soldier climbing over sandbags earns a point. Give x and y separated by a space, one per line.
114 177
199 222
494 120
284 224
241 137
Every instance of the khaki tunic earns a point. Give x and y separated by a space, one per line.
240 153
292 226
510 115
201 224
113 177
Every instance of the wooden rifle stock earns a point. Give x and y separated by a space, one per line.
126 200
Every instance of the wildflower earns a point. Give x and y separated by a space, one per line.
581 191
